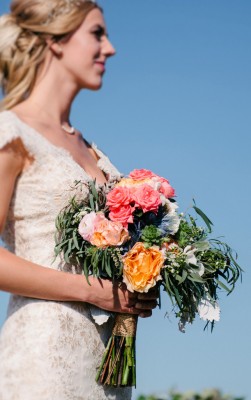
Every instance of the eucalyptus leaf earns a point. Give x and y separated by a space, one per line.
193 276
223 286
202 246
204 217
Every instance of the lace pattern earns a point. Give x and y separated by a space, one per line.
48 350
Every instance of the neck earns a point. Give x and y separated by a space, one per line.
52 95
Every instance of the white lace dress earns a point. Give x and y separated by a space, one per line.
48 350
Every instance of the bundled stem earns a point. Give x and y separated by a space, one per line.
118 365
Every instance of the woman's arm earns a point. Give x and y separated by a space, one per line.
19 276
22 277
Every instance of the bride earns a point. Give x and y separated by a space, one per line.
50 345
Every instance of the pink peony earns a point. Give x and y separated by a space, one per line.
100 223
119 196
86 226
147 198
140 174
122 214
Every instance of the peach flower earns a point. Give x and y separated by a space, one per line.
108 233
147 198
129 182
142 268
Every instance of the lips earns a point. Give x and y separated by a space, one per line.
101 64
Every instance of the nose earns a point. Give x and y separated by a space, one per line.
108 48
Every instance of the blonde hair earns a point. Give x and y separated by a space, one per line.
24 35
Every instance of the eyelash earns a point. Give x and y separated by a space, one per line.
98 33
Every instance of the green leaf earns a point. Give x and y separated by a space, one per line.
66 256
167 286
195 277
184 276
201 246
108 266
223 286
75 240
86 271
93 190
91 202
204 217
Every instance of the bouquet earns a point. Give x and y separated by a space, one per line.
130 230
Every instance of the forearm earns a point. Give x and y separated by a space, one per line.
22 277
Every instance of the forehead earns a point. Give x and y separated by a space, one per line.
94 17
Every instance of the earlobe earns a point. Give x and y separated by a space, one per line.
55 48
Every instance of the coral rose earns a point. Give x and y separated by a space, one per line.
108 233
140 174
142 268
147 198
122 214
119 196
166 189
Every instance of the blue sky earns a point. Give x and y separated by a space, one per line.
176 99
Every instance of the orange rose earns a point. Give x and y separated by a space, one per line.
142 268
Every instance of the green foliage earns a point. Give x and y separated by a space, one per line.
151 236
189 232
195 266
94 261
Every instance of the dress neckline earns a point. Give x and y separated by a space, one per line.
61 149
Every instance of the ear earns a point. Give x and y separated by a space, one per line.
55 48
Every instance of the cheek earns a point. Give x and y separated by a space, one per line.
86 48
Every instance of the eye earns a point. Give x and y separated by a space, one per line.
98 33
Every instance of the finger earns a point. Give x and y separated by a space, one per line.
133 295
131 303
148 296
132 299
134 311
145 314
146 305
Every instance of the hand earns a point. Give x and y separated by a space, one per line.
138 303
114 296
147 302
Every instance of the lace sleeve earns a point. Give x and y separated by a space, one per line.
9 130
11 138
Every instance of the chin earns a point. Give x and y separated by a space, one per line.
92 86
97 87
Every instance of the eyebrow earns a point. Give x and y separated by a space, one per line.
102 28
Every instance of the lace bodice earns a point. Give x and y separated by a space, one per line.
41 191
58 346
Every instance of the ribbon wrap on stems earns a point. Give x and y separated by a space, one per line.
118 365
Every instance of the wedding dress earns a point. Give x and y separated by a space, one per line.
48 350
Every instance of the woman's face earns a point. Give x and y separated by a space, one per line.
85 52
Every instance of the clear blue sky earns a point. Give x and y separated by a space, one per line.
176 99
